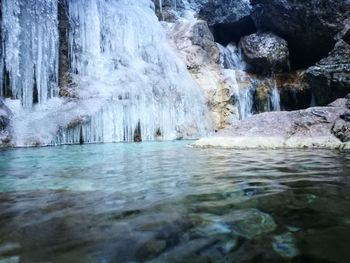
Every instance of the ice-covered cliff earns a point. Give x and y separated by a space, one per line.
126 81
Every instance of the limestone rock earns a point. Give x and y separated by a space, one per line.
198 50
330 77
266 52
310 128
195 43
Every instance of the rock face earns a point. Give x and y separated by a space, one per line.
228 19
225 11
295 92
266 52
197 48
311 27
196 43
317 127
330 77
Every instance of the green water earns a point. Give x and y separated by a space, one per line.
165 202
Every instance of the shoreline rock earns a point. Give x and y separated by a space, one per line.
312 128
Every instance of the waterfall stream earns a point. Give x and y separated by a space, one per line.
245 86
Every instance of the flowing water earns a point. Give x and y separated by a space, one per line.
165 202
231 63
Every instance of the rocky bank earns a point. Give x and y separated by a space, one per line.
316 127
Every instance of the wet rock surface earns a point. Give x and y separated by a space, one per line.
330 77
266 52
295 92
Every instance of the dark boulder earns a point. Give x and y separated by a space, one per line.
330 77
311 27
225 11
266 52
229 20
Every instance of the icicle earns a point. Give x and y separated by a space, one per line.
30 45
138 81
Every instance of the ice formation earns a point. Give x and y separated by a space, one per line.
128 82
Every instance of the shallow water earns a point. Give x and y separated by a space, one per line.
165 202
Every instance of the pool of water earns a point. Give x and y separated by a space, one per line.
165 202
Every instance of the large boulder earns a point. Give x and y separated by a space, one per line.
311 27
266 52
316 127
228 19
330 77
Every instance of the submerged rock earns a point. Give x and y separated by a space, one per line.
251 223
266 52
330 77
285 245
150 249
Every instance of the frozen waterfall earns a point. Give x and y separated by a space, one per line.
128 82
29 50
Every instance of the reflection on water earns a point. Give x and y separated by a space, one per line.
165 202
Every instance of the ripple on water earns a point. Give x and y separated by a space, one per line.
165 202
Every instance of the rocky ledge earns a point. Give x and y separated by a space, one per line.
316 127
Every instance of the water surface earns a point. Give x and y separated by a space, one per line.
165 202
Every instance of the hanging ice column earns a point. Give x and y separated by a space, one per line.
29 50
124 65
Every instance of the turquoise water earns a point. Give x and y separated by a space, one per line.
165 202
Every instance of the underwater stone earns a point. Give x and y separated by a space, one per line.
285 245
251 223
